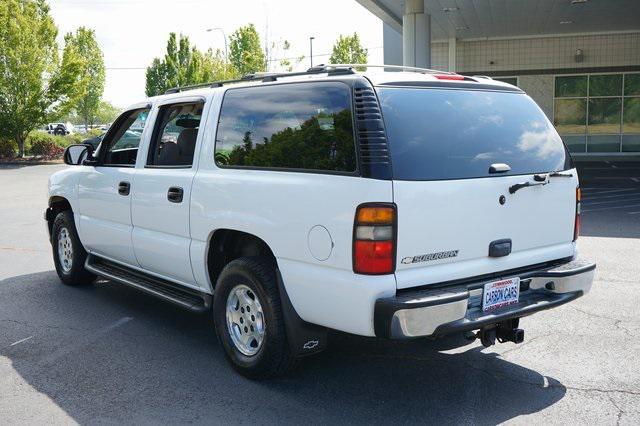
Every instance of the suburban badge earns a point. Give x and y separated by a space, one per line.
429 257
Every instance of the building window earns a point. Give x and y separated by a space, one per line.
511 80
598 112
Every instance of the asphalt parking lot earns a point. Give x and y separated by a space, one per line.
107 354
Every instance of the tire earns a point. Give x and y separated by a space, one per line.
69 265
252 276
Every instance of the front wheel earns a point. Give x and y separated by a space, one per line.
68 253
249 321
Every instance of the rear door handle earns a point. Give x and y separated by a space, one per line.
124 188
175 194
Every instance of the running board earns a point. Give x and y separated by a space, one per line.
184 297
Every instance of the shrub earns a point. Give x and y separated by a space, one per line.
92 133
71 139
44 145
8 148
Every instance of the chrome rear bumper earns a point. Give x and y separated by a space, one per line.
440 311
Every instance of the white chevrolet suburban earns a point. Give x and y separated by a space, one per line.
402 204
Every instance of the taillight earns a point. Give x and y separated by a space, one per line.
576 226
374 239
449 76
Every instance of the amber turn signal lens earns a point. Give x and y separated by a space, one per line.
375 215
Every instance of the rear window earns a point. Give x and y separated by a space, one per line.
437 134
299 126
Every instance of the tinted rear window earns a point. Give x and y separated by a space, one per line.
455 134
297 126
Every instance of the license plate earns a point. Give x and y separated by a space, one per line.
500 293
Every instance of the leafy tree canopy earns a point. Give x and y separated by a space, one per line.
245 53
84 42
348 50
35 83
107 113
184 65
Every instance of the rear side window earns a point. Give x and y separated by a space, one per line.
300 126
174 139
437 134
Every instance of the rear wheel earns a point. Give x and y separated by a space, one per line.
249 321
68 253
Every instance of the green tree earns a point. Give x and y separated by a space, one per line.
245 52
348 50
156 78
215 66
35 83
107 113
84 41
282 50
184 65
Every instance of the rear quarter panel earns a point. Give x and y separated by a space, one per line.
281 208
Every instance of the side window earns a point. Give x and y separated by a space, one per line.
121 144
174 137
306 126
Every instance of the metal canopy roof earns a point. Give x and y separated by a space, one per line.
465 19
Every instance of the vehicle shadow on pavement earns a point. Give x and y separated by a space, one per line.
106 353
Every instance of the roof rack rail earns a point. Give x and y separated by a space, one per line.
331 69
393 67
268 76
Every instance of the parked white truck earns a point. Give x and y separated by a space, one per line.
392 204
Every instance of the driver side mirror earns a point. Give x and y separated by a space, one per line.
75 155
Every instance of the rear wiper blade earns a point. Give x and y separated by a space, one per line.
539 179
560 174
517 186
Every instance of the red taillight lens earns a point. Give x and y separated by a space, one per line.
576 226
373 257
374 239
449 76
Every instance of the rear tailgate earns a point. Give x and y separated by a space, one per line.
445 227
452 205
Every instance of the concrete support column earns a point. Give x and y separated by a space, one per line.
392 45
416 35
452 55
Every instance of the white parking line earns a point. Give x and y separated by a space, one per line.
616 190
632 199
592 188
21 341
633 212
597 197
609 168
635 179
599 188
610 208
612 177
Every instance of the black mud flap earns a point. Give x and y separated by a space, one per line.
304 338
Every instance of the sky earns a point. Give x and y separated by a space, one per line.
132 32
